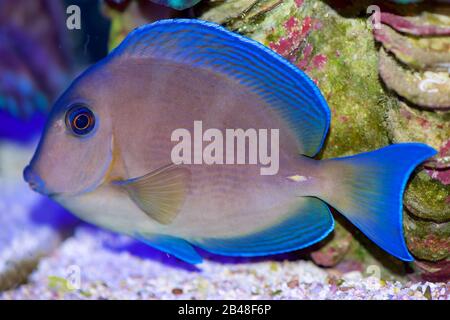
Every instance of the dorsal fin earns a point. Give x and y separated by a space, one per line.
206 45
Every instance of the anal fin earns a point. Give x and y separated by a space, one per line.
175 246
311 222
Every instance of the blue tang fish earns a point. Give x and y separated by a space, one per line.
108 150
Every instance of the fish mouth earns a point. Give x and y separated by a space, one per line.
54 195
37 188
59 195
35 182
74 194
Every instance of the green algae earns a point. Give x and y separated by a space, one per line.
350 83
427 240
408 124
427 198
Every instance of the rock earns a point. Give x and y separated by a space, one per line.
333 251
427 89
177 291
414 72
427 198
427 240
406 123
434 271
131 14
293 283
423 23
238 13
419 53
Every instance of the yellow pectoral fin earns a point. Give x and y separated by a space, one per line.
161 193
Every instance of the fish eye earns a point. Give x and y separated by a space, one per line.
80 120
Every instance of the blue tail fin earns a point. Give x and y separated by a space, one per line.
368 190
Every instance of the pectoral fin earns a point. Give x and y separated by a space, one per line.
161 193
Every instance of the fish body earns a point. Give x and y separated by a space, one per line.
151 147
107 153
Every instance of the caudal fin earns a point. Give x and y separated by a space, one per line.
370 189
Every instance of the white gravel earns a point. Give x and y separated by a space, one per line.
22 240
85 267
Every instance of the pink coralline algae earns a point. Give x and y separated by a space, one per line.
288 45
382 35
299 3
442 174
319 61
295 40
406 25
445 150
304 61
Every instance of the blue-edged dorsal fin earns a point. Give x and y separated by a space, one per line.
311 223
172 245
207 45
